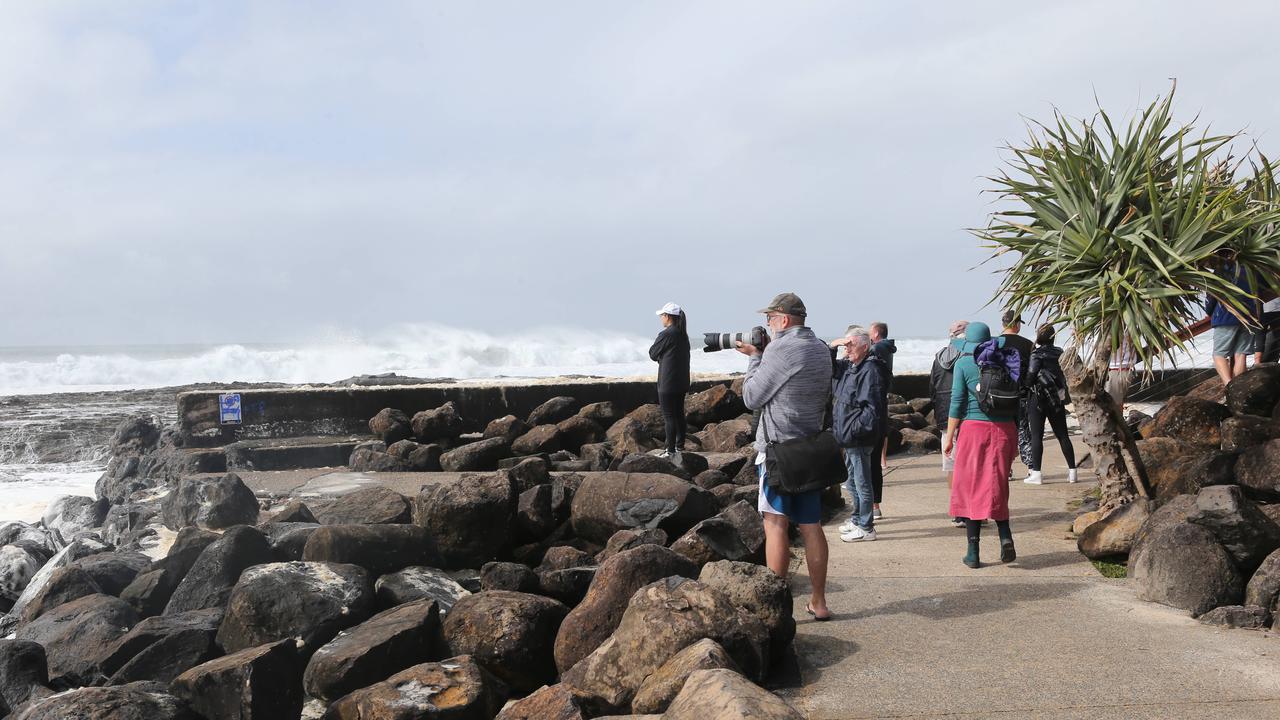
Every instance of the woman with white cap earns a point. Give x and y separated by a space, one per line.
671 352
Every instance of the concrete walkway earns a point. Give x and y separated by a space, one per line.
917 634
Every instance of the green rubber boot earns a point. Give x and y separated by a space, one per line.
971 558
1007 553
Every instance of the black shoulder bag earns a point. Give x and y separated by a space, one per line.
803 464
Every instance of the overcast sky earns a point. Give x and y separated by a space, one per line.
278 171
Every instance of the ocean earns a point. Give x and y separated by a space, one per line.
59 405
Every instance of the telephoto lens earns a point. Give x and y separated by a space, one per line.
714 342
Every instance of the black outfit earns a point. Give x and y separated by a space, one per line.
940 377
1044 361
1024 348
883 351
671 351
1271 337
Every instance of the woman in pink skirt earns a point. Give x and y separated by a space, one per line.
984 443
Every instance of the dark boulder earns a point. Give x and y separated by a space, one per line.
470 519
603 413
295 511
442 423
417 457
540 439
728 436
1177 468
1184 566
709 479
374 650
73 514
373 457
508 428
553 411
1246 617
308 601
510 634
578 431
288 540
568 585
624 540
563 557
64 585
596 457
136 701
370 505
616 580
380 549
660 688
724 694
457 688
652 464
1240 527
482 455
162 648
1258 470
253 684
24 672
208 584
210 503
714 404
1190 420
113 571
756 589
608 502
1114 533
78 636
419 583
152 589
629 436
509 576
391 425
710 540
1245 431
553 702
1257 392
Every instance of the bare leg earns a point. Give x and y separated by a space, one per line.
1239 367
1223 366
815 556
777 548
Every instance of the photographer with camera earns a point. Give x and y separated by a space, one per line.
790 383
671 351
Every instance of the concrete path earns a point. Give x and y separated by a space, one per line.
917 634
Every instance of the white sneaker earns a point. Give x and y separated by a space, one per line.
665 455
877 514
1071 475
1034 478
858 535
847 527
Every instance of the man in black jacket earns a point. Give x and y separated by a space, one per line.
858 424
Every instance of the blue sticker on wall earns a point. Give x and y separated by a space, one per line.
229 409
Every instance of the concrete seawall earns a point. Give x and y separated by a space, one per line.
340 411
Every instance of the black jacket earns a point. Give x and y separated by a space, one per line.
671 352
940 375
1044 362
858 403
883 351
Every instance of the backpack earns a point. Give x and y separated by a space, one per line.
1051 391
998 390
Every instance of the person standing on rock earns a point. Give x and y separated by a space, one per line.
1047 399
984 451
883 348
790 382
857 412
671 351
940 377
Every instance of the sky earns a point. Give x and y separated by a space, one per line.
285 171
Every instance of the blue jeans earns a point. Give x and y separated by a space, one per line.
858 462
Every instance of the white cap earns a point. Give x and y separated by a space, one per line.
669 309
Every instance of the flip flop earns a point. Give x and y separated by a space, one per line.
809 609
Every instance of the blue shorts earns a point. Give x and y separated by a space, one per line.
801 509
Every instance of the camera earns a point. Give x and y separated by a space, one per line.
714 342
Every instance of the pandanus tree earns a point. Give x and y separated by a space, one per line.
1118 234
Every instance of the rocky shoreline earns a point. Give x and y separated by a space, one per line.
548 567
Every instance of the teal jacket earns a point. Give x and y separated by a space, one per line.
964 388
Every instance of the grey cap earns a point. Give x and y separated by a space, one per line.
786 303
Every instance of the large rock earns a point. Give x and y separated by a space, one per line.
541 439
1257 392
710 540
1184 566
288 540
457 688
553 411
24 672
617 579
624 540
511 634
508 576
470 519
17 567
417 457
608 502
113 571
73 514
79 548
482 455
662 619
1113 534
726 695
371 505
442 423
1177 468
259 683
1174 512
152 589
728 436
660 688
508 428
138 701
596 457
211 503
578 431
629 436
1240 527
1258 470
542 509
1264 587
391 425
714 404
66 584
553 702
374 457
568 585
419 583
132 525
308 601
645 463
1245 431
380 549
1190 420
78 636
208 584
1247 617
756 589
162 648
381 646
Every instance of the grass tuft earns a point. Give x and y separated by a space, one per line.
1109 569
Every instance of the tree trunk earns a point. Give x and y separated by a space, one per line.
1120 470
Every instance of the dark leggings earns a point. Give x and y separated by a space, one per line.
973 528
673 419
877 472
1035 424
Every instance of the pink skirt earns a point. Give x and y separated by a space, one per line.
984 454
